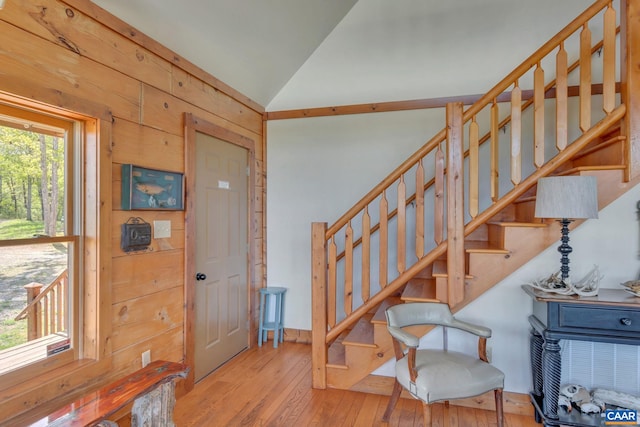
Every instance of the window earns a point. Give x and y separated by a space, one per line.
74 250
39 238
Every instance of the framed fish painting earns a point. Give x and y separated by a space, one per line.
151 189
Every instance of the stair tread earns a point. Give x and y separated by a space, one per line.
518 224
482 246
579 169
440 269
361 334
416 291
380 317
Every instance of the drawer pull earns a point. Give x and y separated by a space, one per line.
625 321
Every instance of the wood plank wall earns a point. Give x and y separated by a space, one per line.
73 54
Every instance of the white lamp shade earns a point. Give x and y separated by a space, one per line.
571 197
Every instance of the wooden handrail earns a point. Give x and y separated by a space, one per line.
42 294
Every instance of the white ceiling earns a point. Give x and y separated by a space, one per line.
255 46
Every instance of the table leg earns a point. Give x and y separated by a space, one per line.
551 373
535 348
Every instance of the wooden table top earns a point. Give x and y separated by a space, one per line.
606 296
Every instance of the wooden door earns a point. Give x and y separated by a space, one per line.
221 294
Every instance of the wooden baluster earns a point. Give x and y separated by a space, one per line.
401 219
585 78
44 324
384 243
62 304
65 302
438 210
348 270
52 312
474 162
561 98
366 255
609 61
538 116
495 152
420 210
332 288
516 134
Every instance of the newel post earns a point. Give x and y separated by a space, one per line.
318 305
33 314
455 208
630 82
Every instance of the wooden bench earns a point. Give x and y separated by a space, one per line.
151 389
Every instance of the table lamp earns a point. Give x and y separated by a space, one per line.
566 198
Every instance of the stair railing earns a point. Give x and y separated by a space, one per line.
47 309
346 283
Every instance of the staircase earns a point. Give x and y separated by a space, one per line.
457 217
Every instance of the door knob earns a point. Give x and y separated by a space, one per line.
201 276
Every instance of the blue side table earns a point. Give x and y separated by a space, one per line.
271 321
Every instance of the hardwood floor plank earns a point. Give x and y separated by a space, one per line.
367 413
271 387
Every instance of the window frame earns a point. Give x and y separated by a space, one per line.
24 389
68 129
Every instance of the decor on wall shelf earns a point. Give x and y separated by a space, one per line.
144 188
566 198
586 287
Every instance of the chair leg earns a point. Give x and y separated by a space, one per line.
499 413
393 400
426 413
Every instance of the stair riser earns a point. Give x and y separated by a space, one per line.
609 155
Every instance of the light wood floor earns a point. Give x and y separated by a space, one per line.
272 387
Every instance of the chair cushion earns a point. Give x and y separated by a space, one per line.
448 375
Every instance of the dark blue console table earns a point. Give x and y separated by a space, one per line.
613 316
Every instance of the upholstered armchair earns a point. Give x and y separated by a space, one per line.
439 375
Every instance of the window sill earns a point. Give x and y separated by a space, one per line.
31 399
34 351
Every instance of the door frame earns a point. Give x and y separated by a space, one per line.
194 125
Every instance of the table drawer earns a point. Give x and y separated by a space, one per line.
603 317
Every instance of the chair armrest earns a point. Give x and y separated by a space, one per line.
481 331
404 337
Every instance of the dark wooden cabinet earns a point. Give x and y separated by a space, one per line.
613 316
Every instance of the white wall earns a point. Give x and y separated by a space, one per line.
409 49
317 169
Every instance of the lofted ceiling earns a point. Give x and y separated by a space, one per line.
255 46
